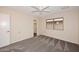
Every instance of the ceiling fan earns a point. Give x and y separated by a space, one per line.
40 9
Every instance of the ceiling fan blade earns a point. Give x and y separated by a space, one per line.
45 11
40 11
35 8
45 8
36 11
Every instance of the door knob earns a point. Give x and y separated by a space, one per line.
8 31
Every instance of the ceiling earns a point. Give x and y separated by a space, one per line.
30 9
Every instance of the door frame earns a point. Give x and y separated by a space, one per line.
35 22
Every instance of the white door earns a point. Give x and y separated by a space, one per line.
4 30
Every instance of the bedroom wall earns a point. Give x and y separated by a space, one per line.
21 24
71 26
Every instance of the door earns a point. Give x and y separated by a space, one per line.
4 30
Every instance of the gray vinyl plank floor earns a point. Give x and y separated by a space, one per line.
41 44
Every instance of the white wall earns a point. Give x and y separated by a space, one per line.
39 25
21 24
71 26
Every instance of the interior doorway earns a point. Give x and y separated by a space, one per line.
35 28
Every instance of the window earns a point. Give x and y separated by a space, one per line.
58 24
55 24
49 24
